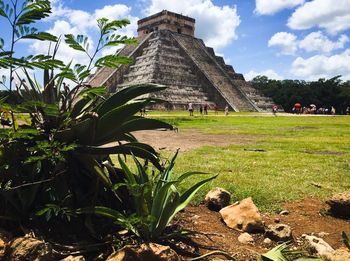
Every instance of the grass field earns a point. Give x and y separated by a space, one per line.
287 157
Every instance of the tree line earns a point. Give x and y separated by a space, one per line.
323 93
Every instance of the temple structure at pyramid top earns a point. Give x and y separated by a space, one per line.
168 53
166 20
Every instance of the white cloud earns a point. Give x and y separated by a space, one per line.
287 42
316 41
271 74
322 66
72 21
65 53
85 21
334 16
269 7
216 25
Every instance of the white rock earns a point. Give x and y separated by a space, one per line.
246 238
316 245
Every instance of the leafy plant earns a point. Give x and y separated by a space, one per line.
62 159
282 253
346 240
154 199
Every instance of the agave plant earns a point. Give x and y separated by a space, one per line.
283 253
62 159
155 199
346 239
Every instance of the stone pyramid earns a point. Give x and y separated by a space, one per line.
169 54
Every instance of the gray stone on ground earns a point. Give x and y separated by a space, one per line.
144 252
316 245
243 216
28 248
217 198
279 232
340 204
245 238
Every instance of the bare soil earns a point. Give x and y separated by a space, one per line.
189 139
305 217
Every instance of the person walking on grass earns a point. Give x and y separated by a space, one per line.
206 109
226 110
190 108
274 110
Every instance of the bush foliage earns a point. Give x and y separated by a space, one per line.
323 93
60 164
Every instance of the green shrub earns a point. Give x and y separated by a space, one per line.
153 199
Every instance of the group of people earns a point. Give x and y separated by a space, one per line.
203 109
312 109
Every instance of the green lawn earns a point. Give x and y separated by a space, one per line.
298 151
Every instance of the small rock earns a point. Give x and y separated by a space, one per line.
217 199
246 238
267 241
2 248
195 217
340 204
279 232
318 246
340 255
145 252
277 220
243 216
73 258
322 234
28 248
284 213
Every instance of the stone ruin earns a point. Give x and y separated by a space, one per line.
170 55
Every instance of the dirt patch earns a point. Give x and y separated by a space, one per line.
323 152
304 218
189 139
300 128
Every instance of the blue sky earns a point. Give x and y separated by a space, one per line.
294 39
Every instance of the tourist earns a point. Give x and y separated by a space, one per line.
297 108
332 110
201 109
206 109
226 110
190 108
274 109
347 111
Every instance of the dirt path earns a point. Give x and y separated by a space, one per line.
189 139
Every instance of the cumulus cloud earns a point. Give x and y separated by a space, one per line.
334 16
271 74
322 66
269 7
316 41
216 25
287 42
73 21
